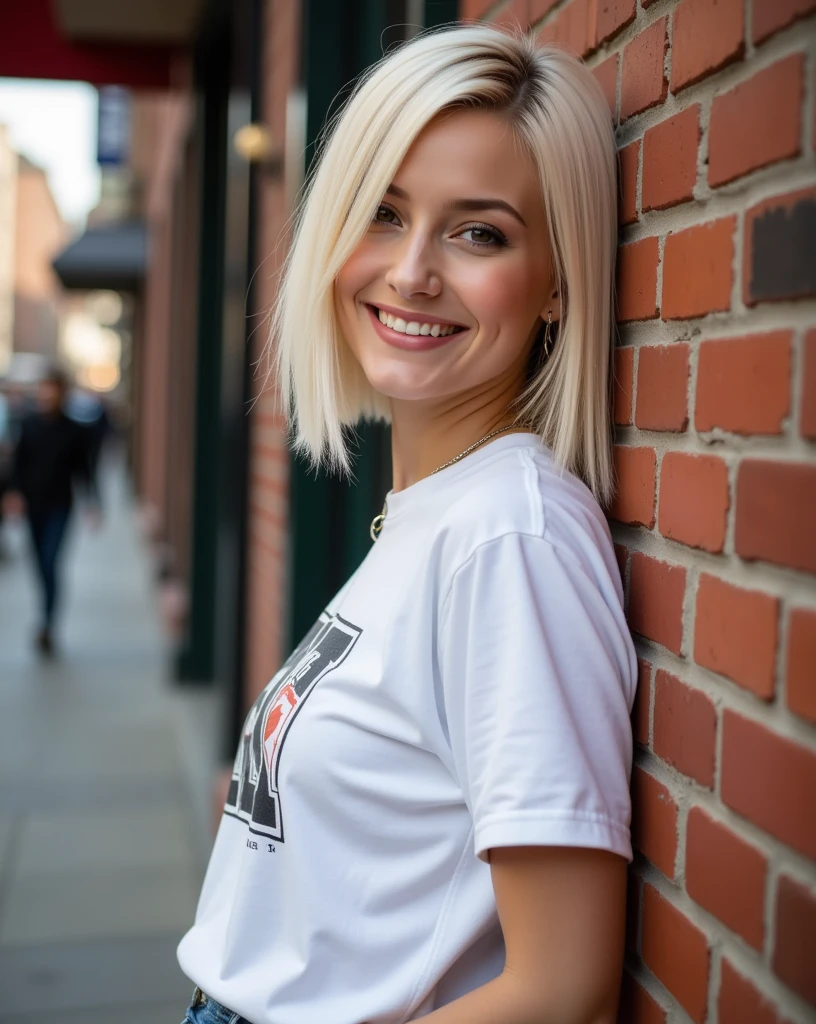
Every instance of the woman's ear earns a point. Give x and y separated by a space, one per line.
552 308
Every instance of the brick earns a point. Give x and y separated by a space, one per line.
670 160
675 952
629 157
740 1003
513 15
624 379
769 780
635 495
469 10
572 28
795 951
694 500
776 510
757 123
736 634
662 388
743 384
656 591
637 280
801 657
607 75
642 706
654 821
643 79
685 728
726 876
697 270
538 8
772 15
636 1005
807 419
779 248
611 16
707 35
633 887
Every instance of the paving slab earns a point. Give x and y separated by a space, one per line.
168 1013
132 837
99 904
6 826
45 978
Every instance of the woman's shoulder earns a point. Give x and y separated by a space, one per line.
522 491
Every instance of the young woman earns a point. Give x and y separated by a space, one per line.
429 811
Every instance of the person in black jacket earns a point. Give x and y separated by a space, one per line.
52 454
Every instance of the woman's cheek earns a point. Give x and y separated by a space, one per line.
504 293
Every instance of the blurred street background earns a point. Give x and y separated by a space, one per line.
104 824
151 156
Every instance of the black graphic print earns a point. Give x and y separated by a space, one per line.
253 793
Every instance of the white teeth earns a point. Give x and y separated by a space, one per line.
414 327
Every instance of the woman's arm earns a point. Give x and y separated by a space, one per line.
562 912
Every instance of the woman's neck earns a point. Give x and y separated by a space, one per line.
424 436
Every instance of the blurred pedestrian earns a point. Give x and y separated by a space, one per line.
52 454
90 410
6 456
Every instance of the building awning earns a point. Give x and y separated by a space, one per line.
110 256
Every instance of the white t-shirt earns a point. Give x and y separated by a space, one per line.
468 688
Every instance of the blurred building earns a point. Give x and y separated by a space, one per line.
8 193
39 234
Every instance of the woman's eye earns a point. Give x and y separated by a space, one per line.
482 235
385 215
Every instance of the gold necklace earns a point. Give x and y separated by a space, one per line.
378 522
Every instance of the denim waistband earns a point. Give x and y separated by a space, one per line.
206 1010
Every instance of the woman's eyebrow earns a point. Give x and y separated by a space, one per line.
485 204
465 204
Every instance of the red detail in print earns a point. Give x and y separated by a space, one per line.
277 715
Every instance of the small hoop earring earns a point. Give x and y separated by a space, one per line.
547 332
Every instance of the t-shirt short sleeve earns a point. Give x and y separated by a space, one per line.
536 675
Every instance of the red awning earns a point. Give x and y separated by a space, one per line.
34 45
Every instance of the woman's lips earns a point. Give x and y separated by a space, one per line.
409 342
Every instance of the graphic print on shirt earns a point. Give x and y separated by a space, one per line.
253 794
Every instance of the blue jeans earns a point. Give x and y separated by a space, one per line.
47 532
203 1010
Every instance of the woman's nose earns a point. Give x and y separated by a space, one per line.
413 271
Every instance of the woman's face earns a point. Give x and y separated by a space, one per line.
457 263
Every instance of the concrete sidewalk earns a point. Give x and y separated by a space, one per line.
104 775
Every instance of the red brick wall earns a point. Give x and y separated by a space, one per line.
269 459
715 520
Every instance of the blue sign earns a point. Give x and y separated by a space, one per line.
113 137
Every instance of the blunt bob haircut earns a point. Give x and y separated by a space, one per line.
558 112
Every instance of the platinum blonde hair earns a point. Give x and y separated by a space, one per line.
558 111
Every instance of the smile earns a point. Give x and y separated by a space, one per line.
412 335
415 327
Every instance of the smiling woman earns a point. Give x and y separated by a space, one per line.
507 127
441 768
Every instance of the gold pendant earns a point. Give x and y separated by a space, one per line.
377 525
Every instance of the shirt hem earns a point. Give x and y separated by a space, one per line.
593 831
